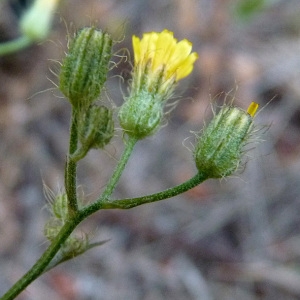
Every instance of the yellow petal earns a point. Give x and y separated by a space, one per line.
180 54
187 66
136 43
164 48
148 45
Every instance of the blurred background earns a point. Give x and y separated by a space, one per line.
238 238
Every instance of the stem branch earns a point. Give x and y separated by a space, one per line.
75 218
14 45
169 193
101 203
43 261
106 203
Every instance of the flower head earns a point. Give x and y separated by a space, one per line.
159 63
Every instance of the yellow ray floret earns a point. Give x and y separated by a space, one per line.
163 52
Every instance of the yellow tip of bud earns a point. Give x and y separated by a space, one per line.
252 109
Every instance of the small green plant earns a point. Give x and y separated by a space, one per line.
160 62
247 9
34 26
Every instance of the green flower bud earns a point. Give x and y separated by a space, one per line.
140 115
84 69
60 206
219 149
74 246
96 127
52 228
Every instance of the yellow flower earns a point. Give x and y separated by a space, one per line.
162 51
160 61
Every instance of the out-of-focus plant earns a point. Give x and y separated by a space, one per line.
246 9
34 24
160 62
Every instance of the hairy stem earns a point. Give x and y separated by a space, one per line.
169 193
75 218
43 261
70 172
101 203
106 203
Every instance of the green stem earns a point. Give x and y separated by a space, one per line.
105 203
169 193
43 261
129 145
70 173
67 229
14 45
102 202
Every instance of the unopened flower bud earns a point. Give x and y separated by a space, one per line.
140 115
219 149
74 246
52 228
60 206
84 69
96 127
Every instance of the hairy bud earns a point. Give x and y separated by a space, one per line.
96 127
219 149
84 69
